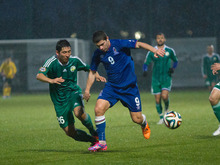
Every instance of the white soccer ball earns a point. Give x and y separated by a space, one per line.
172 119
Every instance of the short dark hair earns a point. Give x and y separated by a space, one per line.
62 43
160 33
98 36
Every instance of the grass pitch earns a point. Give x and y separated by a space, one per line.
30 134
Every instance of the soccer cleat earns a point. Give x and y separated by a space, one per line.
217 132
98 147
146 131
160 121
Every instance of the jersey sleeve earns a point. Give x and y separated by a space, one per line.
95 61
149 58
173 56
46 66
128 43
81 65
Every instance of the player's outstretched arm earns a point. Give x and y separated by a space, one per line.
157 52
43 78
90 81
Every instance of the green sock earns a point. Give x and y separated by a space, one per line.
83 136
166 103
88 124
159 110
216 109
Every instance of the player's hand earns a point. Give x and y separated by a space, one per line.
171 71
58 80
159 52
215 67
100 78
214 72
86 96
205 76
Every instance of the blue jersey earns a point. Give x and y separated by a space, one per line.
118 63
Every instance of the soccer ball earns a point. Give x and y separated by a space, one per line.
172 119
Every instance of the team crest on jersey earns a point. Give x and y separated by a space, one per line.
214 58
115 51
72 69
42 69
167 53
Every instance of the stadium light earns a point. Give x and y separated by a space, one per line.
138 35
124 34
73 35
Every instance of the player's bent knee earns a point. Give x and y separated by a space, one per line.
213 100
99 111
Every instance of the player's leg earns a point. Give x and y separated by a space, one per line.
159 107
66 121
85 119
215 103
130 98
9 87
165 98
5 88
156 91
80 113
100 108
78 134
139 118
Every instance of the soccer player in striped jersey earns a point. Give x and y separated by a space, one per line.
161 76
215 97
121 83
60 71
208 60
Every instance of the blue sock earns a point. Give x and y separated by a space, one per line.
100 127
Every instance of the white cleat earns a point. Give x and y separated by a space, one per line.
217 132
160 121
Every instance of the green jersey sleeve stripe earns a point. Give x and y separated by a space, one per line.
78 59
49 61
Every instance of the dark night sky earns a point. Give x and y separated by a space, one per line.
54 18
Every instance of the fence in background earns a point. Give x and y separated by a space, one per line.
29 55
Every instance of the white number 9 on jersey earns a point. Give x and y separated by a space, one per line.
111 60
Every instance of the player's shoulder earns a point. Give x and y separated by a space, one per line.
215 54
50 61
76 59
169 48
98 52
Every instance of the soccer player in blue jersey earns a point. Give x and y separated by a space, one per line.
121 83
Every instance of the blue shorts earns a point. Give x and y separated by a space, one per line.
129 97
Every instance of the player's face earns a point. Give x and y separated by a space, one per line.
210 49
160 39
64 54
103 45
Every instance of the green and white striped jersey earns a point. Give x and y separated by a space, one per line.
161 64
207 61
53 68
